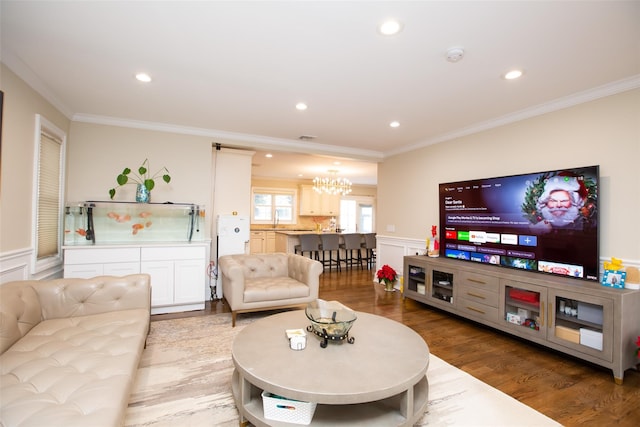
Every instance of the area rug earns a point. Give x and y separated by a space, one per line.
185 375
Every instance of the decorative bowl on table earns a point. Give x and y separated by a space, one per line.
330 320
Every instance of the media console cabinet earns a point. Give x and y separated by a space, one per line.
583 319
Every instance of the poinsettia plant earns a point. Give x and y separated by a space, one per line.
387 275
638 349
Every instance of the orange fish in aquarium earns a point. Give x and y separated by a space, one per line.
145 214
82 232
123 218
112 215
148 224
136 227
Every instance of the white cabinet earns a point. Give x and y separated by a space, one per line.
90 262
178 279
186 274
313 203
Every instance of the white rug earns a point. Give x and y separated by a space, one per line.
185 375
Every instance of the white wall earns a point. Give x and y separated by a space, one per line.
603 132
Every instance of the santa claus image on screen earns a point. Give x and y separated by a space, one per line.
561 201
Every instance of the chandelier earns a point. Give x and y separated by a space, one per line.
332 184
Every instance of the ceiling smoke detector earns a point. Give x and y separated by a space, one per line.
455 54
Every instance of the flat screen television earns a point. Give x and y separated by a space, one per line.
545 221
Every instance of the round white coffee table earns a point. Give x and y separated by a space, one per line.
380 379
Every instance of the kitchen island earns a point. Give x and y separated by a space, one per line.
286 241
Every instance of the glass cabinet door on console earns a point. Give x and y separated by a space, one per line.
524 308
581 322
416 280
440 286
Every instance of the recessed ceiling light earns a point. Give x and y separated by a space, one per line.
513 74
143 77
390 27
394 124
301 106
269 155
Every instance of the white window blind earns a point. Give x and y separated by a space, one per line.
48 197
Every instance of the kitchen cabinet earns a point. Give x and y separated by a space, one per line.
270 242
178 278
582 319
262 242
257 242
313 203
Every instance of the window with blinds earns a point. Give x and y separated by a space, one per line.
48 195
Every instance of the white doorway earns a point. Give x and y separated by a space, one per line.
357 214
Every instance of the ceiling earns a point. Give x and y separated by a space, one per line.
234 70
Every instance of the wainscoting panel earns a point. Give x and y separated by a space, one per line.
15 265
391 250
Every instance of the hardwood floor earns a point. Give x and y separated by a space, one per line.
569 390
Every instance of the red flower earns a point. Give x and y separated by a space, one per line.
386 274
638 345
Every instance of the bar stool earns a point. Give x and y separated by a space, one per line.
352 242
369 246
330 243
308 243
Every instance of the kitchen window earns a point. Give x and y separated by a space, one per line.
273 206
50 143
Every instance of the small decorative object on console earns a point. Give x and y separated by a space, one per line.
614 278
330 320
433 245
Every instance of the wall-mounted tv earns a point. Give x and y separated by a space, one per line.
545 222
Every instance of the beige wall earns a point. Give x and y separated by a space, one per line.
98 153
603 132
21 104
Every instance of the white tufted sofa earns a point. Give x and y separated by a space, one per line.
70 349
268 281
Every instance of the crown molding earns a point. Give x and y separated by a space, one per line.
578 98
15 64
235 139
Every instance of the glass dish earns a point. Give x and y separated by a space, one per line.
330 319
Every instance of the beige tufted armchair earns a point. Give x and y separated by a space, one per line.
268 281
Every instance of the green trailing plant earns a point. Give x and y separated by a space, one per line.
143 177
